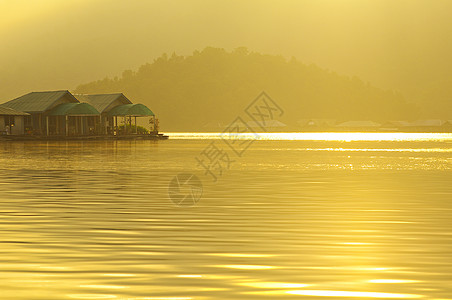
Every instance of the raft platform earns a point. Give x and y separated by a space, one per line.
158 136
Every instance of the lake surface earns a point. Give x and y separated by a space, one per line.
296 216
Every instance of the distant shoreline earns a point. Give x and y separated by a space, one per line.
317 136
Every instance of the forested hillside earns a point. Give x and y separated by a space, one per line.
214 86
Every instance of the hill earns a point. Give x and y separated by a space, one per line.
214 86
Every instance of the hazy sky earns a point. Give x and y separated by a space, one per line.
56 44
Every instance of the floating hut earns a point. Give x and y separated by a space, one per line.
112 106
71 119
54 113
129 111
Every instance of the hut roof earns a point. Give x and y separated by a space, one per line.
102 101
11 112
136 110
38 102
73 109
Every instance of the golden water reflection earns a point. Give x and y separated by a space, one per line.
92 220
352 294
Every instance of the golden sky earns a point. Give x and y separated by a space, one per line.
54 44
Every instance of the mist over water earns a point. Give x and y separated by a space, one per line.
331 217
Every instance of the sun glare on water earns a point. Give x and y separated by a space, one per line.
320 136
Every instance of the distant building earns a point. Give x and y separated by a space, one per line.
112 106
55 113
395 125
358 125
269 125
316 124
11 121
429 125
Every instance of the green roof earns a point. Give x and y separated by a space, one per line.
102 101
38 102
73 109
11 112
136 110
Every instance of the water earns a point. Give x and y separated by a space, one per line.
297 216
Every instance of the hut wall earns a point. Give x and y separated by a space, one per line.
36 123
17 124
106 124
58 123
18 128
